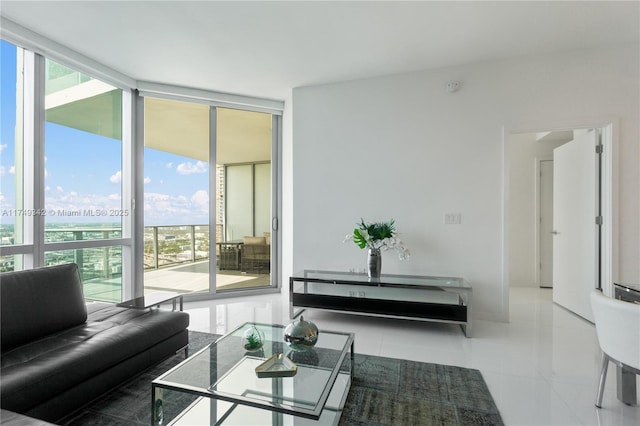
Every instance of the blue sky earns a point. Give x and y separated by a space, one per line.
82 171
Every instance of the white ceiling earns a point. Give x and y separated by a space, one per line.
266 48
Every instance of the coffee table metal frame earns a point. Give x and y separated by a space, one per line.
245 399
153 299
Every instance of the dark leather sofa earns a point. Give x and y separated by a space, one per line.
59 353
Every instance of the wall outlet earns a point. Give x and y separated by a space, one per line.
452 218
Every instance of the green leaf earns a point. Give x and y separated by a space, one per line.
359 239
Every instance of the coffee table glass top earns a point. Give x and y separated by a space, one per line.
385 279
224 370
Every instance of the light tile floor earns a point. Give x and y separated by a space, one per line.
542 367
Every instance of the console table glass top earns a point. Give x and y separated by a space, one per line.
393 279
222 377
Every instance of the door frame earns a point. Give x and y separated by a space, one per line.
609 180
538 206
159 91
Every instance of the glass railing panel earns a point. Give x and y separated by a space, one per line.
100 270
11 263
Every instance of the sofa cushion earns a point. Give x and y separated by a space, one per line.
37 371
39 302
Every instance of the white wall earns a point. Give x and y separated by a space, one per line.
403 147
286 219
523 151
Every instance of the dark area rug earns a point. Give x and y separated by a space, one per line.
384 391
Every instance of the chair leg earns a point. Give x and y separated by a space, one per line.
603 379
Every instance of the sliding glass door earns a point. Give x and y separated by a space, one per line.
244 194
176 196
207 229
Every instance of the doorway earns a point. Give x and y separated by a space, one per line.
529 205
545 220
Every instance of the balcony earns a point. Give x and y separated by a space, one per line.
176 258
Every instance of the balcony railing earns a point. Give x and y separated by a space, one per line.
163 246
172 245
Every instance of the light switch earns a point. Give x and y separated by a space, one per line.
452 218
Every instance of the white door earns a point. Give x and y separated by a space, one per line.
546 223
574 225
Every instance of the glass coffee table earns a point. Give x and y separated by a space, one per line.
219 384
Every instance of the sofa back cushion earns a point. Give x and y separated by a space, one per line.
39 302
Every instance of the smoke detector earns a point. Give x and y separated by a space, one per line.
453 86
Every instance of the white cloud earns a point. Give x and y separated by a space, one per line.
154 196
3 147
73 201
147 180
189 168
169 165
164 209
47 188
59 189
3 170
117 177
200 199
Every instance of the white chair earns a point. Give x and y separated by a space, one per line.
618 330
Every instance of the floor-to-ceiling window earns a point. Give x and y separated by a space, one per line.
74 181
83 176
11 156
63 171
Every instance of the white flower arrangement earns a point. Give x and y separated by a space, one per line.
378 236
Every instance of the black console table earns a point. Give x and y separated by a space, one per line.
627 292
425 298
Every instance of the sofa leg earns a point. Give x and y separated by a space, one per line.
186 351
